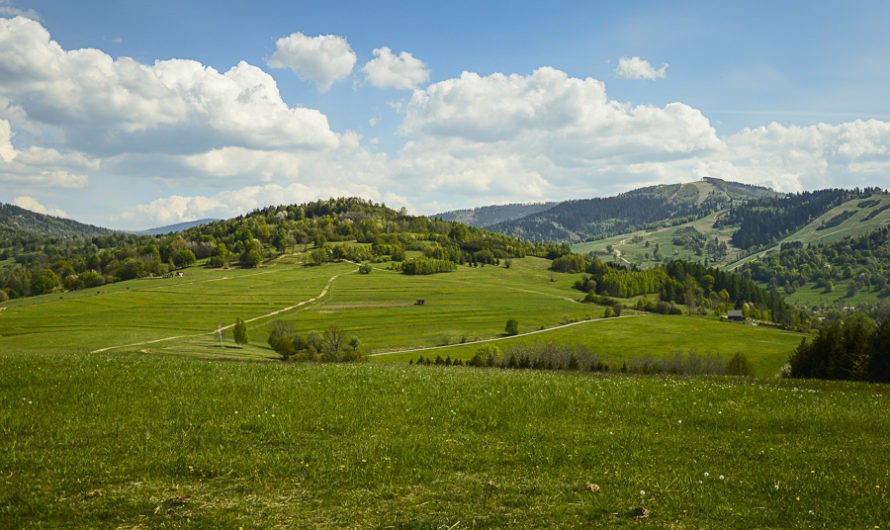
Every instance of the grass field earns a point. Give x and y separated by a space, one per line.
178 316
111 415
128 440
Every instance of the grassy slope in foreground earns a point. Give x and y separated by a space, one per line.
131 440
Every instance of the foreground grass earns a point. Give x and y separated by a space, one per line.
130 440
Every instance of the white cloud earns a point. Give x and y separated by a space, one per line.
636 68
7 151
105 106
226 204
540 136
8 9
30 203
793 158
323 60
402 72
39 166
500 138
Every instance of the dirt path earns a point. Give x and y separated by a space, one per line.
496 339
321 295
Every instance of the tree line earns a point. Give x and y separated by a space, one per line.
853 348
679 282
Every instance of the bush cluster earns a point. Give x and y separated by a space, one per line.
562 357
329 346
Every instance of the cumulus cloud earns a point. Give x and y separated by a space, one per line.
402 71
30 203
323 60
499 138
40 166
103 105
636 68
540 133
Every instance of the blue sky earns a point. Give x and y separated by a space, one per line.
135 114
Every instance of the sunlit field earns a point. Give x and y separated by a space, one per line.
135 440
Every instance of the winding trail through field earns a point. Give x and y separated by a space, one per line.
320 295
496 339
324 292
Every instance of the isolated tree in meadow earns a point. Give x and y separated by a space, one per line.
332 341
512 327
240 332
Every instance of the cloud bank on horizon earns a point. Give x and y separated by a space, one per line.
156 143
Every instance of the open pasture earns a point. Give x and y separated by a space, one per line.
619 340
128 440
179 316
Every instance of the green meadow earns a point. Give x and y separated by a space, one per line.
130 440
115 412
181 316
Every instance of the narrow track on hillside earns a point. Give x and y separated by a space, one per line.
497 339
320 295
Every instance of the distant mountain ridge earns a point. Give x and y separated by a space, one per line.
485 216
178 227
586 219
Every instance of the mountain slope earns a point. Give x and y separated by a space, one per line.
486 216
588 219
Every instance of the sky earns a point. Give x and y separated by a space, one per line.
130 114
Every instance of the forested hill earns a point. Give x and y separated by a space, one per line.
15 221
581 220
333 229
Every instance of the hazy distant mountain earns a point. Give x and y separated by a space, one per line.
490 215
178 227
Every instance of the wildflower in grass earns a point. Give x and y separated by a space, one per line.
707 474
722 477
642 493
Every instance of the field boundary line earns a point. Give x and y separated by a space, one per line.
496 339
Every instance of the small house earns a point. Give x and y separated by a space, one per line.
735 315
